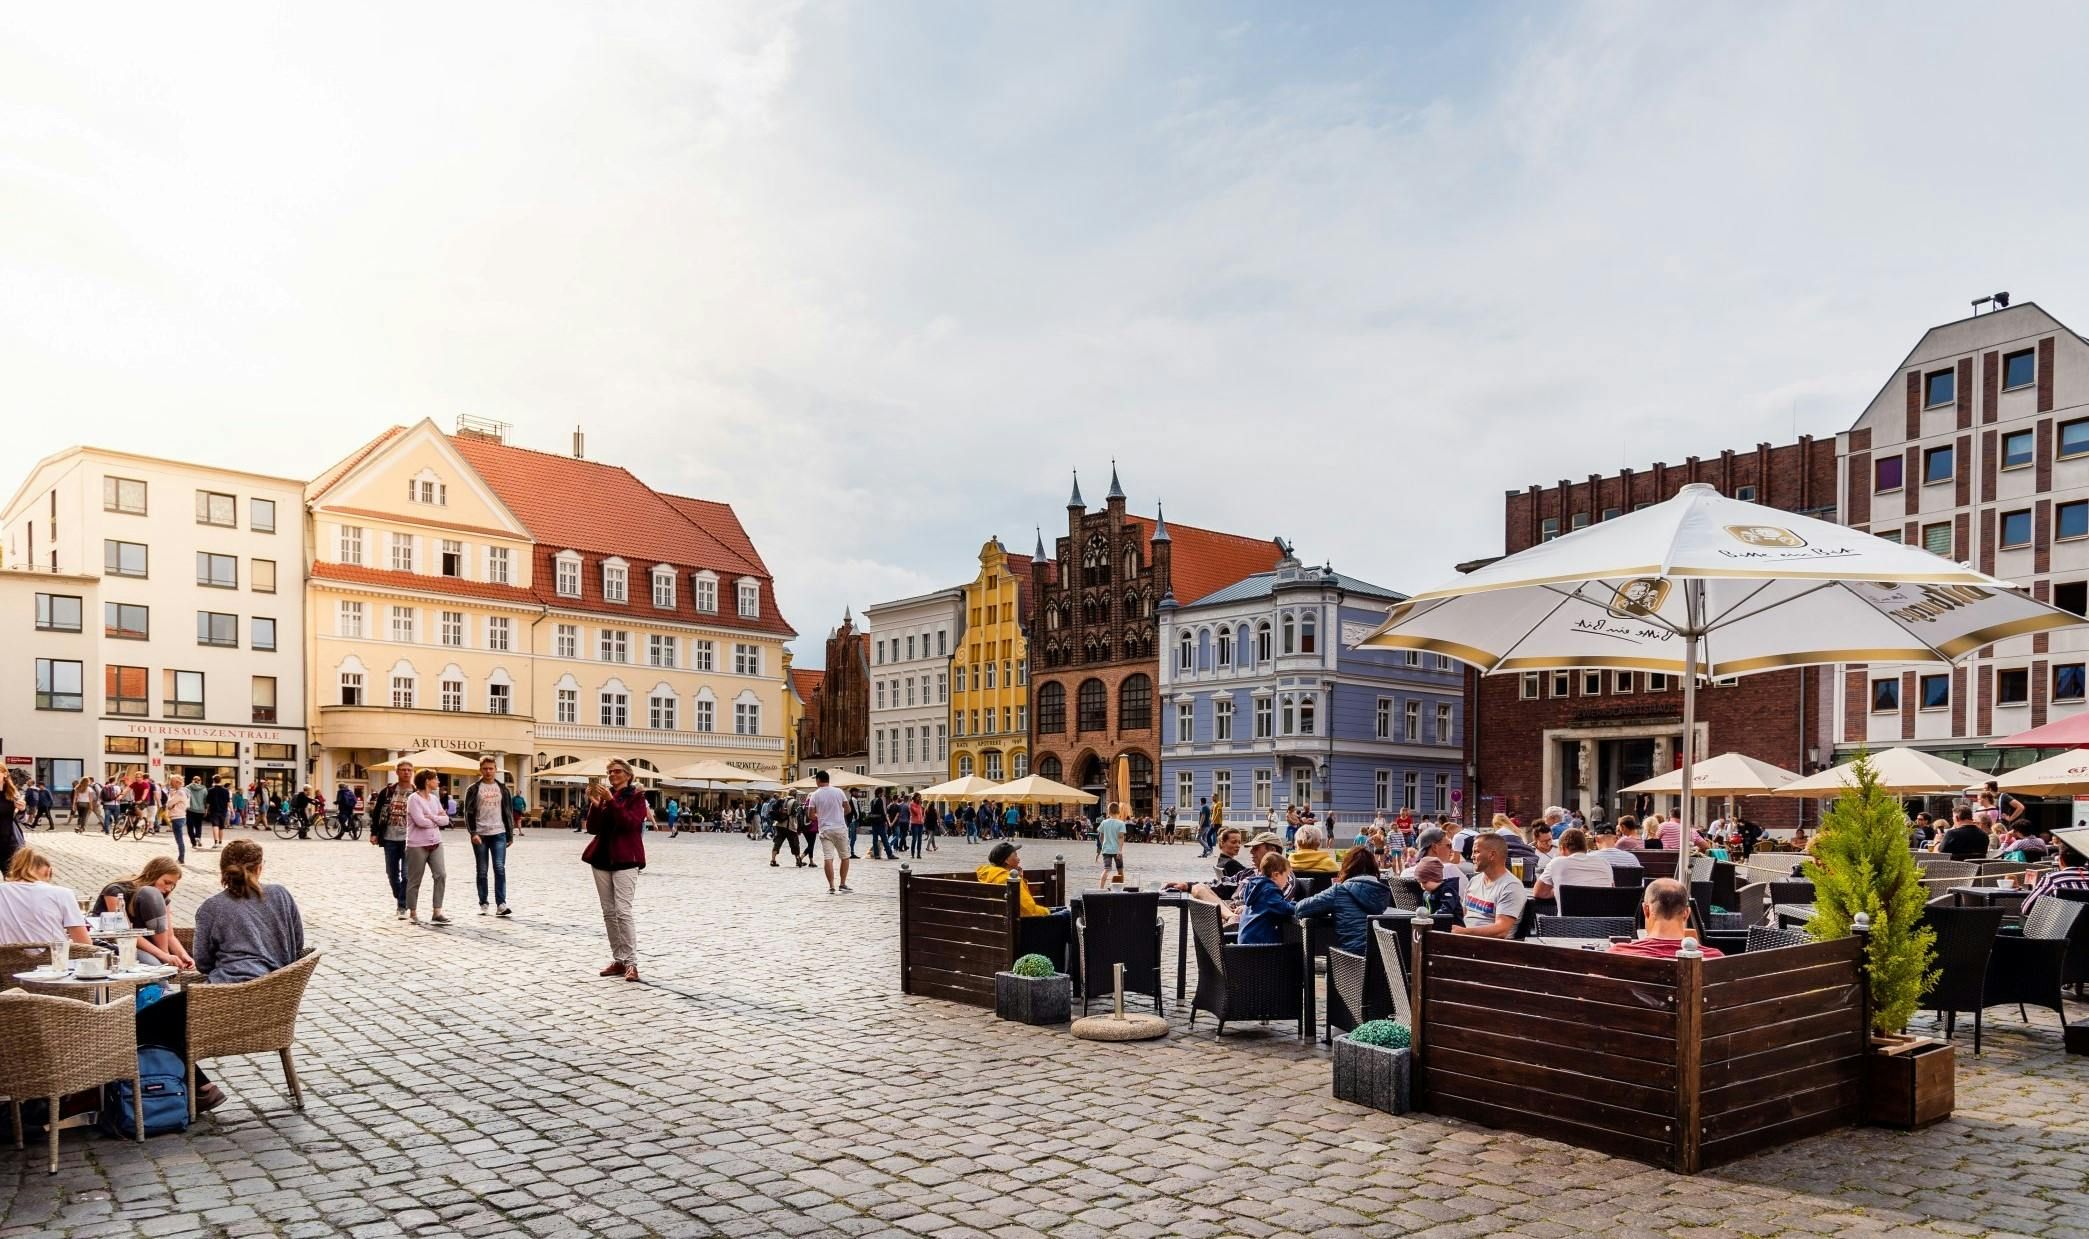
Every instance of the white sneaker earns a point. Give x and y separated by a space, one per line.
482 909
402 914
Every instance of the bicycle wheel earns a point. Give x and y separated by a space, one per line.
329 827
286 830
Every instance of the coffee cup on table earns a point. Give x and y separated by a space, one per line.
92 967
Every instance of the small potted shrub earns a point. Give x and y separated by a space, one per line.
1372 1064
1862 867
1033 992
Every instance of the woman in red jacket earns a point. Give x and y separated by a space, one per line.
616 818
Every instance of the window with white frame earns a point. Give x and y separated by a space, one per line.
452 561
1185 789
1222 649
1022 671
910 746
1381 789
877 746
1262 642
566 705
500 699
942 643
1264 788
452 695
992 757
747 718
613 645
1592 684
424 488
1289 624
877 689
910 690
660 712
348 619
1264 718
750 599
706 714
958 717
1562 683
616 578
660 650
452 627
1443 792
1185 722
1186 653
1623 682
351 544
703 656
961 677
706 593
1308 710
402 692
615 708
1309 633
1528 686
402 552
1222 718
1384 729
1657 682
1222 787
497 565
747 659
402 623
1022 719
565 641
989 677
499 632
943 748
1443 722
1413 712
942 688
664 588
1410 790
566 575
964 765
351 688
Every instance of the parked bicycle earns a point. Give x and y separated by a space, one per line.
332 828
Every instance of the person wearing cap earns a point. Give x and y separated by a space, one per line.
1264 844
1494 898
1439 888
1667 908
1612 848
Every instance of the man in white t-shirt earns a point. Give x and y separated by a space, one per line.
829 809
1574 866
1493 896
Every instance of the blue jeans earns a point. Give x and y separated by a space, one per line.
493 848
395 870
181 845
919 830
853 827
880 840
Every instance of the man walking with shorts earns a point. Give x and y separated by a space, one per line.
1109 844
830 813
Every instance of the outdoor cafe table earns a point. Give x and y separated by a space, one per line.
1181 903
1793 915
96 989
2008 898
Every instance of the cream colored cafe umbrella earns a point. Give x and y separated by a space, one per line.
966 788
1037 789
1903 772
1706 586
2064 775
847 780
441 760
1729 774
712 771
594 768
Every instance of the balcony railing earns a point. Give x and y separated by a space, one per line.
647 736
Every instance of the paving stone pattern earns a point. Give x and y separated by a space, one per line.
769 1079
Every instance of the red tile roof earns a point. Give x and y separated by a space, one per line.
1205 561
807 683
720 522
486 590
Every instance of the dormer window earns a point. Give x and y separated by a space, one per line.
664 588
425 487
750 599
616 578
706 592
452 558
568 575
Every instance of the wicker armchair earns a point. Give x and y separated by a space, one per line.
2031 969
1774 866
1761 938
1606 901
250 1017
1391 943
1120 928
1237 982
1965 944
1753 901
50 1047
1583 926
1407 893
2078 952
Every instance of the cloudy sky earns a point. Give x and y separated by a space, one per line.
882 274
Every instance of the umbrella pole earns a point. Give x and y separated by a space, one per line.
1693 597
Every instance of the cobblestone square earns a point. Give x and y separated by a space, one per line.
769 1079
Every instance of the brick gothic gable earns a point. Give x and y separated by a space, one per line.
841 713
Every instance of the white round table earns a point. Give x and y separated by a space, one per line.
97 989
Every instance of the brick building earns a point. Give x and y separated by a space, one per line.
838 712
1094 637
1575 737
1977 446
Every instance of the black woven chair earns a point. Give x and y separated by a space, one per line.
1392 943
1357 989
1795 891
1599 901
1764 939
1304 884
1584 926
1407 893
2030 969
1120 928
1632 876
1753 901
1965 945
2078 949
1236 982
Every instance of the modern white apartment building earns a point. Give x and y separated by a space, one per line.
47 730
187 583
910 645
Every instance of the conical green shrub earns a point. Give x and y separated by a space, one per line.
1861 863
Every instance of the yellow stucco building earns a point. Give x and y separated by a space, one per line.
990 672
470 595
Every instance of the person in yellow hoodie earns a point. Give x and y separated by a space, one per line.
1309 856
1045 931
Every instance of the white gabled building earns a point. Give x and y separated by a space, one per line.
910 646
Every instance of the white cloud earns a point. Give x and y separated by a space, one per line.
881 276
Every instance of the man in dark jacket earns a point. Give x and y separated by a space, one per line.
217 803
489 816
388 829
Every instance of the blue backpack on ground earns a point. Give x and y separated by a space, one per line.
163 1077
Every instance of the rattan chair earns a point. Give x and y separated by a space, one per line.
1236 982
1407 893
1962 872
1761 938
1608 901
1701 868
1774 866
1794 891
2031 969
1357 988
1753 902
50 1047
2078 949
1391 944
1584 926
1965 945
1120 928
249 1017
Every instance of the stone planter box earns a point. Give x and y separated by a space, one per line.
1372 1075
1912 1081
1033 1000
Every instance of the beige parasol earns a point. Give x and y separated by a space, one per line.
847 780
1729 774
958 789
2064 775
443 760
1037 789
1904 772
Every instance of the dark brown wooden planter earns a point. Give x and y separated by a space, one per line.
1911 1081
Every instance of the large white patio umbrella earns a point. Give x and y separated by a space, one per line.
442 760
1037 789
965 788
1703 585
847 780
710 770
1729 774
1904 772
2064 775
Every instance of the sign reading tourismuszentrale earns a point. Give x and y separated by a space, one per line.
208 731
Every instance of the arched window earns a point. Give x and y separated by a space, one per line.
1095 561
1290 633
1135 704
1262 642
1222 652
1133 604
1048 767
1308 633
1287 716
1131 563
964 765
1140 767
1051 709
1091 706
1306 709
1091 611
1186 653
1054 617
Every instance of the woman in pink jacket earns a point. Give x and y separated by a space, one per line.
425 818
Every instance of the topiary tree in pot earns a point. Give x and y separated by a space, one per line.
1373 1064
1862 866
1033 991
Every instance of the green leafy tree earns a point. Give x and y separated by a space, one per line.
1862 864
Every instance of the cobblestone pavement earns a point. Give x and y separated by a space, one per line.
769 1079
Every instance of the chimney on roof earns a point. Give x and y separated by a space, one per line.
580 444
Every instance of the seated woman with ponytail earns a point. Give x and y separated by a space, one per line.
143 899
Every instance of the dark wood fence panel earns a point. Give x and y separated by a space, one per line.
1785 1040
956 932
